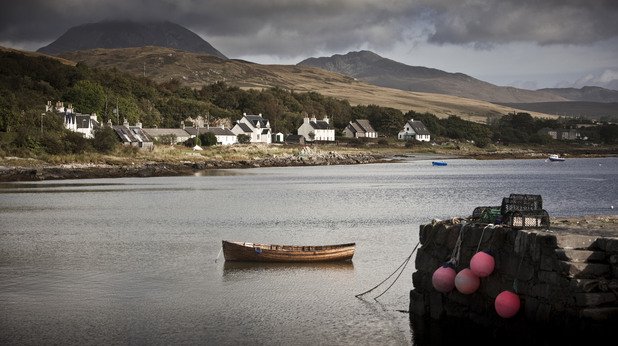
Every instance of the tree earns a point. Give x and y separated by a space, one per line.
243 138
609 133
208 139
105 139
87 97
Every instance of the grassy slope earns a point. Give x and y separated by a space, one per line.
196 70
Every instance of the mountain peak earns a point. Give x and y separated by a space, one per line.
125 34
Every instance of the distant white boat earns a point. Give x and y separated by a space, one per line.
555 158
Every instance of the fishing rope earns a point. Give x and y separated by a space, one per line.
405 262
397 278
482 235
457 249
221 249
515 283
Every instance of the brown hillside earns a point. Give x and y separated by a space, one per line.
35 54
196 70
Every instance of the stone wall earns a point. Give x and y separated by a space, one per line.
564 281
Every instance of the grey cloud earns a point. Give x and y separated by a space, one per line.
295 27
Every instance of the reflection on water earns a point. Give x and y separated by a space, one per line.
230 267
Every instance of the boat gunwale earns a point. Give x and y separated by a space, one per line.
243 251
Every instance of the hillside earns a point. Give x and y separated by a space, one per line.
124 34
586 94
374 69
196 70
590 110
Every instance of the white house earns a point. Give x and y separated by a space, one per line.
175 135
360 128
254 126
76 122
415 130
224 136
317 130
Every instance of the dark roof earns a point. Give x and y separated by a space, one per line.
131 134
320 125
244 127
265 131
255 119
220 132
418 127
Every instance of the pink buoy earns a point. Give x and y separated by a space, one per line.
482 264
507 304
466 281
443 279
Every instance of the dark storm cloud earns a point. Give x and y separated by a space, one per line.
287 27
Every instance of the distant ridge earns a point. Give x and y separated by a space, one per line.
125 34
587 94
372 68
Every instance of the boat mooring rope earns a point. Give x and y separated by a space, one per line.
404 264
219 254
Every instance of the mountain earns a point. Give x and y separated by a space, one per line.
196 70
587 94
124 34
374 69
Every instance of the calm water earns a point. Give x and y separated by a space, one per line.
132 261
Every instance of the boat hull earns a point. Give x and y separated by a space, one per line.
239 251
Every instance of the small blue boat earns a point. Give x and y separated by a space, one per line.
438 163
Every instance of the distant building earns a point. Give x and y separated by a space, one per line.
85 124
168 135
133 135
254 126
561 134
414 129
314 130
224 136
360 128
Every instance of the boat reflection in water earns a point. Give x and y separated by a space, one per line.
275 266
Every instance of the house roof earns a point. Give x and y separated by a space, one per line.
418 127
365 125
220 132
256 119
244 127
320 125
158 132
131 134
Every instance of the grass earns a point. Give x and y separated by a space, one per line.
248 152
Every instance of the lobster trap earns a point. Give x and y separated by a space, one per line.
526 219
487 215
518 202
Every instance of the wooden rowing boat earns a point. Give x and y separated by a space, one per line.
239 251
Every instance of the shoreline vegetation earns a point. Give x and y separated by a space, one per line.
182 161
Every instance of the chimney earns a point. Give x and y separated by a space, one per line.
138 124
182 125
125 122
314 119
109 122
260 115
326 119
305 120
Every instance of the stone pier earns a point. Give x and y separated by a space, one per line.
567 283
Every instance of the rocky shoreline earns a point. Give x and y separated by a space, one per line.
159 169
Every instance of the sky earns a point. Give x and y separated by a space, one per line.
529 44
